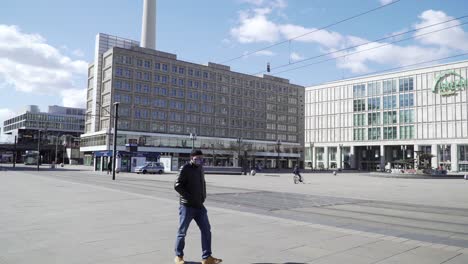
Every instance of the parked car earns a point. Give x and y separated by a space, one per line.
150 167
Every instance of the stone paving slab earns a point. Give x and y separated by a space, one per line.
44 220
460 259
421 255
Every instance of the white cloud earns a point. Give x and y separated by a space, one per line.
5 114
265 53
322 37
29 64
255 27
385 2
296 56
430 47
74 98
391 55
454 38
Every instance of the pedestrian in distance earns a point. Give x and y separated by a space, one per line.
191 186
109 167
297 173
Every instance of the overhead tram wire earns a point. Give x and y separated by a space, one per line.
310 32
377 47
369 42
402 67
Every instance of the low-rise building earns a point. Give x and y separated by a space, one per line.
58 129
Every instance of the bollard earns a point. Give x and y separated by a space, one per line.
334 173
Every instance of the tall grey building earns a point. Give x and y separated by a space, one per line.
237 118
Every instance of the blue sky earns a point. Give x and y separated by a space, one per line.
45 45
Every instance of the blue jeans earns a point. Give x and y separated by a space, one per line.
200 215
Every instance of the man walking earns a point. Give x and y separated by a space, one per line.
191 187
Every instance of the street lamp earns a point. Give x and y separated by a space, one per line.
311 152
193 137
214 157
114 152
403 148
56 146
278 144
38 147
15 153
368 158
239 142
64 150
341 155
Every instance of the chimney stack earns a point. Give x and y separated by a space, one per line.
148 25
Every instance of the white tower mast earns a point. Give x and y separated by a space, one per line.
148 25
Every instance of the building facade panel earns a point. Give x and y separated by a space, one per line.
387 116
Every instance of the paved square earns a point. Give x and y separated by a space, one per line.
80 216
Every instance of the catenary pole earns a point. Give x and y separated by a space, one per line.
114 152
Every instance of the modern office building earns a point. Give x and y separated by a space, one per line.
413 118
59 130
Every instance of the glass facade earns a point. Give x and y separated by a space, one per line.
393 110
376 99
30 120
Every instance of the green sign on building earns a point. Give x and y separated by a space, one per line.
448 83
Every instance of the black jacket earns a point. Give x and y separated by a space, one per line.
191 186
296 170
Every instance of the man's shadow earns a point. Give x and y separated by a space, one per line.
193 262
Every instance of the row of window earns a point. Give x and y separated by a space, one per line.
280 127
374 133
389 86
389 117
180 105
203 131
161 90
46 117
45 125
389 102
142 113
281 118
180 70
